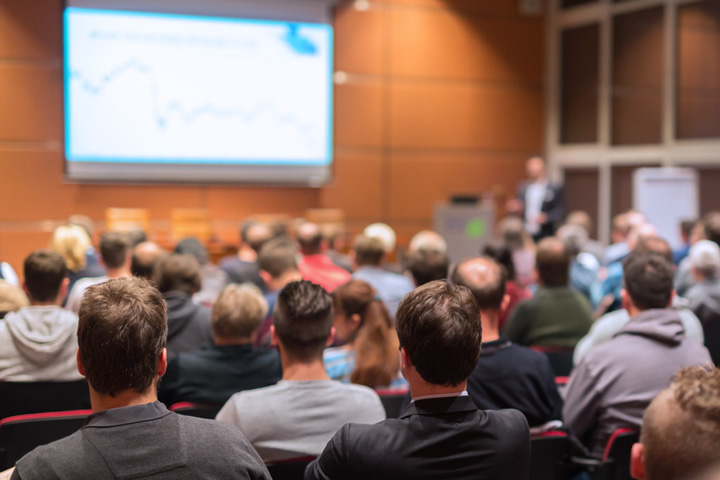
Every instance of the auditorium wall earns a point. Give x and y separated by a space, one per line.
435 97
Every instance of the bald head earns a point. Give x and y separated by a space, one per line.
257 235
552 261
144 257
486 280
310 238
681 428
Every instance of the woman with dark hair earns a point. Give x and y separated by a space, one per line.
363 326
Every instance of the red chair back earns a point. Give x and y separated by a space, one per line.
200 410
393 400
549 452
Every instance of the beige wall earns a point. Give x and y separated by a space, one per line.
440 97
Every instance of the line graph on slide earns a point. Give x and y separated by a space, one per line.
150 89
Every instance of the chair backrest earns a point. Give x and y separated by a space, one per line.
549 452
616 458
187 222
293 469
393 400
200 410
127 219
18 398
21 434
561 358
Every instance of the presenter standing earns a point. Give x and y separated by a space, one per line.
540 201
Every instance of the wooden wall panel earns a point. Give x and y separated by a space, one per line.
31 99
31 30
420 181
358 41
581 192
437 44
356 185
358 115
465 116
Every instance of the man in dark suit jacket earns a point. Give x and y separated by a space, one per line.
442 434
541 202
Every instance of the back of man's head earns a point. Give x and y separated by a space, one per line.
574 237
705 258
648 280
277 257
303 320
368 251
681 428
122 331
552 261
257 235
310 238
238 311
485 278
581 219
427 240
428 265
711 227
114 248
44 272
144 258
654 244
192 246
439 327
177 272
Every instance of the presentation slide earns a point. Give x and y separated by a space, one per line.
148 88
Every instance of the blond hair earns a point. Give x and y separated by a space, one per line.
72 242
238 311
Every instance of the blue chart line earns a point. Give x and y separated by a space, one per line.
162 113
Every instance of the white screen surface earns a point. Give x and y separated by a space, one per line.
224 99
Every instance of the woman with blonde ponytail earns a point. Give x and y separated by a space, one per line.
369 352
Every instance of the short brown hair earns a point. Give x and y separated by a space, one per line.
303 319
44 272
552 261
277 257
176 272
368 250
439 326
114 248
711 227
428 265
122 331
648 280
681 427
238 311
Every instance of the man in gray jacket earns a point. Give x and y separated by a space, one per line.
38 343
616 381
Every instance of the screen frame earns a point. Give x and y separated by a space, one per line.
241 172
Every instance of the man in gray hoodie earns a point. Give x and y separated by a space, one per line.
39 342
616 381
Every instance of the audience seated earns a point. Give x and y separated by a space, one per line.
73 243
121 334
315 266
368 355
605 327
212 375
506 375
278 267
502 255
189 325
583 266
426 265
212 278
92 262
369 254
686 231
522 248
335 237
12 298
680 436
583 220
144 257
115 255
611 387
388 238
708 228
298 416
704 296
618 249
556 316
242 268
38 343
442 434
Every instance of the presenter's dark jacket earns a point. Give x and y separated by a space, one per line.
215 373
553 206
448 438
145 441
